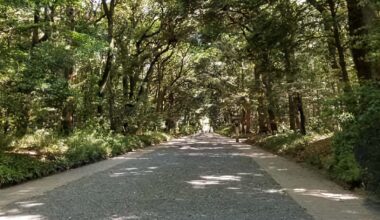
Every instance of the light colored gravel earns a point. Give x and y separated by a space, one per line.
201 177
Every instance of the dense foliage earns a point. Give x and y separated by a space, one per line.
129 67
42 154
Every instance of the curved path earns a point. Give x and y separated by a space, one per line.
198 177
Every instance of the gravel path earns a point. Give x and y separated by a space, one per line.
200 177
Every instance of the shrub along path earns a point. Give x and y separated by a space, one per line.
200 177
42 153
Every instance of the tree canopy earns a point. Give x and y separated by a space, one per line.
131 66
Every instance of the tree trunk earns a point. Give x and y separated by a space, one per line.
69 107
300 109
292 113
160 91
47 28
263 129
132 86
338 44
328 30
272 121
242 121
260 100
335 42
111 107
105 78
109 12
267 81
22 123
248 120
289 60
35 36
68 116
360 16
125 89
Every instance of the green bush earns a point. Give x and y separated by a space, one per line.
284 143
16 168
344 166
118 144
367 138
226 131
313 149
146 139
80 148
134 141
38 141
85 147
160 136
85 152
357 146
5 141
153 138
188 129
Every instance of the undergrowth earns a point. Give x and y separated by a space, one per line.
316 150
44 153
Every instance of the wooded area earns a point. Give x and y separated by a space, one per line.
130 67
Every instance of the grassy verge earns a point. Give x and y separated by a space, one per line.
315 150
312 149
43 153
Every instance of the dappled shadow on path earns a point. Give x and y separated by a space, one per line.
199 177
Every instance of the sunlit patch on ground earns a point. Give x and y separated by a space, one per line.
23 217
172 143
204 182
129 157
200 148
197 154
17 213
117 174
279 191
251 174
222 178
134 171
115 217
281 170
233 188
244 148
244 174
326 194
350 212
213 180
29 204
188 148
261 155
13 211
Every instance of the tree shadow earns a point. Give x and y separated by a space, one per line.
191 178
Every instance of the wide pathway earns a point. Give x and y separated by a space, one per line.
200 177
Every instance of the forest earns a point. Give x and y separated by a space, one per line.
84 80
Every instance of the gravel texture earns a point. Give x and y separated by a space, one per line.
199 177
